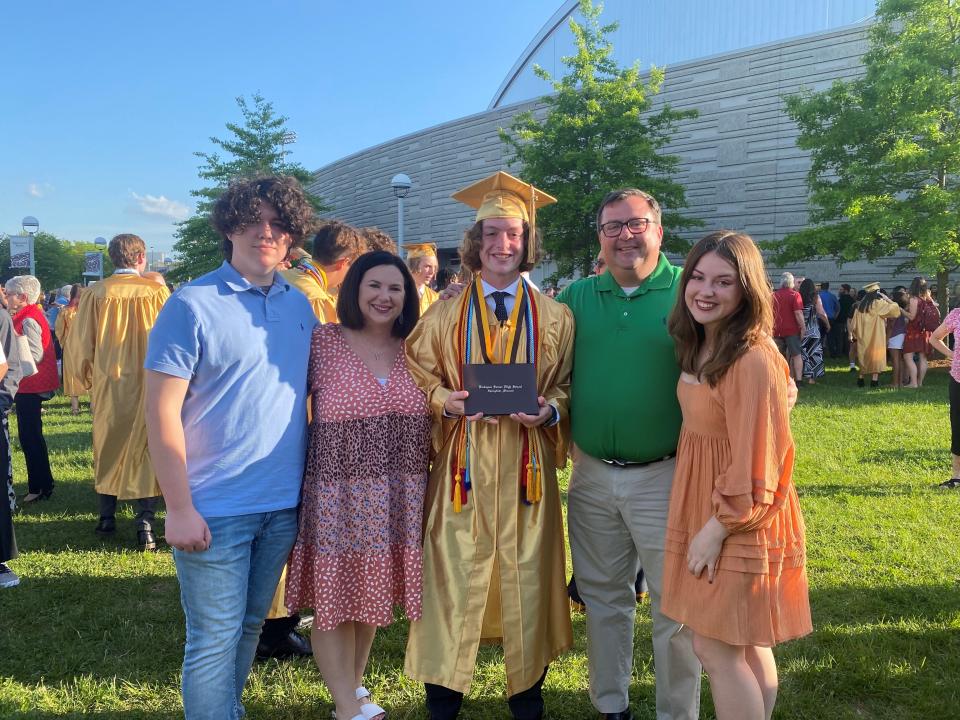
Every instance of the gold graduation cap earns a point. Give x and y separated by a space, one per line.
503 196
870 287
418 250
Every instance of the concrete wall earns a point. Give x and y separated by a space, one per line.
739 161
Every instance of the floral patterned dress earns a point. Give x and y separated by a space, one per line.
359 548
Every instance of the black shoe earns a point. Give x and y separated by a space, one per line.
106 526
291 645
146 540
36 497
625 715
859 382
874 383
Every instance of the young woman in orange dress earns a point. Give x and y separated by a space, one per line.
734 567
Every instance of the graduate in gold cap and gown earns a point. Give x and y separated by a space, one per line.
869 328
106 350
493 568
335 246
422 261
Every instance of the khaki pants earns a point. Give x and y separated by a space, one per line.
617 519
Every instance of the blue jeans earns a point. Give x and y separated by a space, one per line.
226 591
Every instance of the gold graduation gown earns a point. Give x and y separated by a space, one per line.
106 350
870 331
493 572
72 387
323 302
427 298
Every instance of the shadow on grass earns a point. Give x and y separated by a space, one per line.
855 605
822 490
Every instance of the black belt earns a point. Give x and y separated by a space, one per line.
616 462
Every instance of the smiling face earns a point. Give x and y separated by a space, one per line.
381 295
631 256
713 292
501 250
260 247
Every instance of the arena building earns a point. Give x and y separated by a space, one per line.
732 61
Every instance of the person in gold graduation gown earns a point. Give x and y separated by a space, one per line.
335 246
72 387
108 342
422 261
868 327
493 568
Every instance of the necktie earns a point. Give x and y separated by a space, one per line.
500 310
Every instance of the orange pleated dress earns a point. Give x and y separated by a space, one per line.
735 462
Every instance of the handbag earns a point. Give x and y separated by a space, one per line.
27 366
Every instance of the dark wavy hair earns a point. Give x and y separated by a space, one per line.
808 292
866 302
473 241
377 239
239 207
749 325
919 288
348 299
335 240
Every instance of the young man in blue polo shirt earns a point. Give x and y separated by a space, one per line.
226 420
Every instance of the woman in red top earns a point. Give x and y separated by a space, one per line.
917 339
23 291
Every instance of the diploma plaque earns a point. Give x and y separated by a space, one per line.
500 389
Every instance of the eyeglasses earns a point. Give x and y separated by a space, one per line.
613 228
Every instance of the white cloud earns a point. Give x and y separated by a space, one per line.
160 206
38 190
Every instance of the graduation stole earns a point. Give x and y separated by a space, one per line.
474 313
308 268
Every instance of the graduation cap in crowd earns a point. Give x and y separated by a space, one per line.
503 196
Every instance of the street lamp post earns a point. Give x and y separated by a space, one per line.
31 226
100 242
288 138
401 185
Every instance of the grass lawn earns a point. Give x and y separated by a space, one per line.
96 628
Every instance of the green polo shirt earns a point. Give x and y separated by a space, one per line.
624 387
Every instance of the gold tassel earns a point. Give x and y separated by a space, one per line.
457 484
531 489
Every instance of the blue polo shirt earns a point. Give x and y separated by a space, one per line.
245 352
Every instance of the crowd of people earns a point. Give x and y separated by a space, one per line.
868 327
304 418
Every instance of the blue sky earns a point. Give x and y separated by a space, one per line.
103 103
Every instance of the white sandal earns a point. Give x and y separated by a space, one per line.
369 710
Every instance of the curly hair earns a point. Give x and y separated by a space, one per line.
239 207
377 239
125 249
749 325
335 240
473 241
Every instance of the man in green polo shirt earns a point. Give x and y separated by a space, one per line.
626 424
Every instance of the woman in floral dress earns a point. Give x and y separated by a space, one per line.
358 553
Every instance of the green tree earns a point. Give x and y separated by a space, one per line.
256 147
59 262
885 148
599 133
